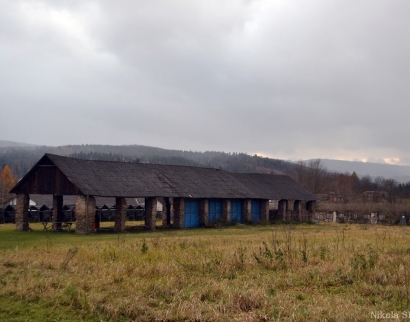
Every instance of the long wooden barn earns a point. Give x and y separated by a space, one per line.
195 196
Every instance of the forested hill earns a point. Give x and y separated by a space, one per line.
311 175
21 159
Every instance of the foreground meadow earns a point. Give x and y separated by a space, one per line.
260 273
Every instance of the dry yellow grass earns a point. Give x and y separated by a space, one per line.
283 273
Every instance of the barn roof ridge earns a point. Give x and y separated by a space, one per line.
126 162
125 179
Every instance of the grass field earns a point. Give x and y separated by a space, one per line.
244 273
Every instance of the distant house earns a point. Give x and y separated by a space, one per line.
335 198
375 196
330 197
322 197
190 196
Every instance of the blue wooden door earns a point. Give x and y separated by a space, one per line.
191 213
214 210
256 211
236 210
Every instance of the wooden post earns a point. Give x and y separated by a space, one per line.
57 216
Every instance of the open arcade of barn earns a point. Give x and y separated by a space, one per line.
190 196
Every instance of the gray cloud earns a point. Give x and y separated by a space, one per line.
287 79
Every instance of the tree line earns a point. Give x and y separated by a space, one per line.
7 182
317 179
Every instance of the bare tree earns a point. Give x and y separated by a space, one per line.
310 175
316 175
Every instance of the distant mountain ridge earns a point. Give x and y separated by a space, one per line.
400 173
21 157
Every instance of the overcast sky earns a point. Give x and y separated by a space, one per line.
285 79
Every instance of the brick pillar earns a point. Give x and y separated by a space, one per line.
282 210
120 214
226 210
179 211
57 217
246 210
150 213
265 211
297 209
22 203
203 212
84 214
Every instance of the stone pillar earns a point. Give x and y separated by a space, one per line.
265 211
226 210
246 210
179 212
150 213
203 212
57 217
85 214
120 214
297 209
22 203
282 210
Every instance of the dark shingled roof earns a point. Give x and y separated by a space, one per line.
269 186
121 179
